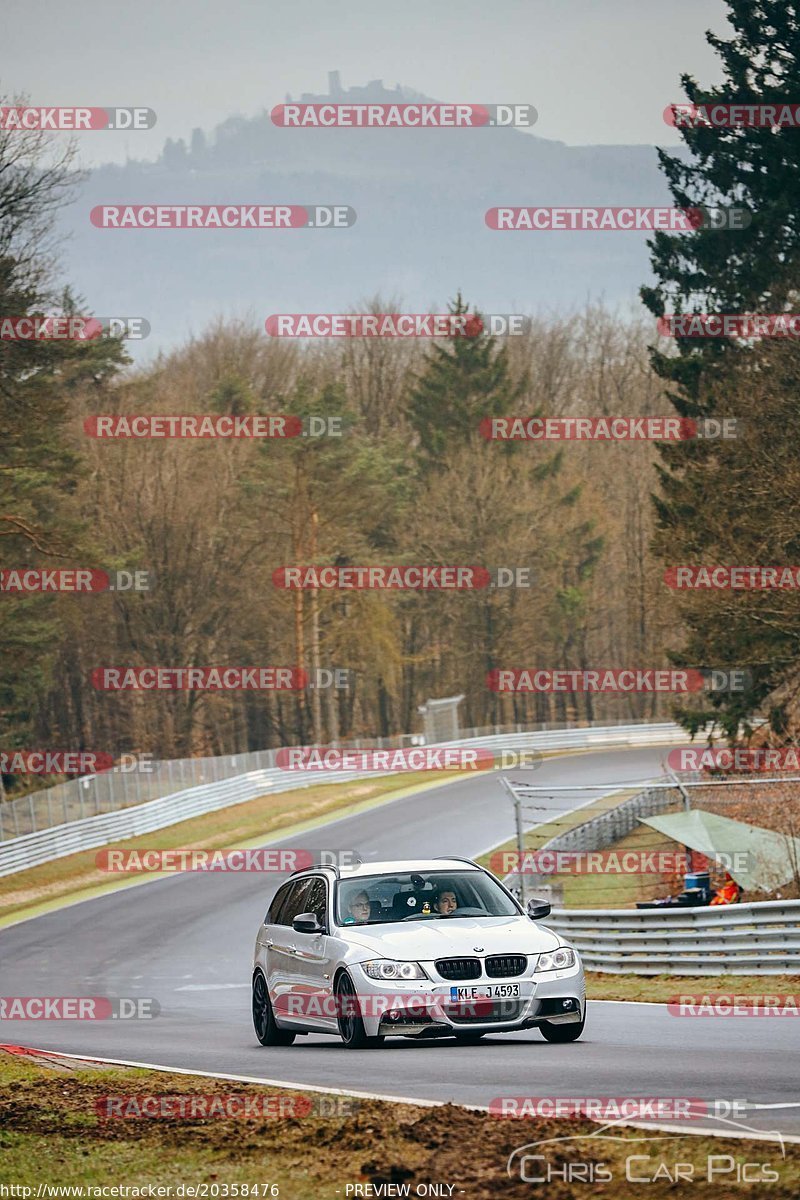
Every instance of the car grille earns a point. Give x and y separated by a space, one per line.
471 1012
506 965
458 968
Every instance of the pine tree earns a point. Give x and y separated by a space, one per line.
733 270
462 382
706 510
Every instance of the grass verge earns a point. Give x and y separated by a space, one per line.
660 988
51 1133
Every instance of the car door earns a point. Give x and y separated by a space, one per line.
314 965
281 948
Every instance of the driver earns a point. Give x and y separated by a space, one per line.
445 902
358 909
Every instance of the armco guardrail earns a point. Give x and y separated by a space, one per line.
121 788
762 938
43 845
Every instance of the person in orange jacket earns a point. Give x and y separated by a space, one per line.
728 893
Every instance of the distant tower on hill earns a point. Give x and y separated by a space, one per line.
334 83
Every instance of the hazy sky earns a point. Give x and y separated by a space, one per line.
598 71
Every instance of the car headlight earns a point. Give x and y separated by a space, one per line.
388 968
557 960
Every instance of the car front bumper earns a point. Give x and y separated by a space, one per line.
429 1008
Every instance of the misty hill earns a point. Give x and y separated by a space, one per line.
420 196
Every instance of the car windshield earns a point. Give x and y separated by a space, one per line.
420 896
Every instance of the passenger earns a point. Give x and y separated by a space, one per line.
445 902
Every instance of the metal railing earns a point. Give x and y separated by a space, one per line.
762 938
74 833
114 790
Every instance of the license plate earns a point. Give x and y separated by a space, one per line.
488 991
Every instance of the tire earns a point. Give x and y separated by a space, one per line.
267 1031
469 1038
348 1016
569 1032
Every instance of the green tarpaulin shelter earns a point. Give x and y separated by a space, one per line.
758 859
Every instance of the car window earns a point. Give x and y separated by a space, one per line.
375 899
277 902
295 902
316 900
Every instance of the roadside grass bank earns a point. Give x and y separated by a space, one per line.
52 1133
661 988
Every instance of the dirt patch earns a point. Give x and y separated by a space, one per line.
50 1130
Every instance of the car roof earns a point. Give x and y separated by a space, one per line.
401 866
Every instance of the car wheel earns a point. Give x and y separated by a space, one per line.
569 1032
267 1031
348 1016
469 1037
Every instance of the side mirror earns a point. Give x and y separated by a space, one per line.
538 909
308 923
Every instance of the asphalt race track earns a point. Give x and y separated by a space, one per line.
187 941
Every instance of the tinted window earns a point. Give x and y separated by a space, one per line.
316 900
277 902
295 902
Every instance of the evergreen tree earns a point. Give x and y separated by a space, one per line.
733 270
754 269
462 382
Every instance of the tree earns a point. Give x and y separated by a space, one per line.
699 515
39 462
461 383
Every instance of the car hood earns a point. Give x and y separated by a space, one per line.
455 937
